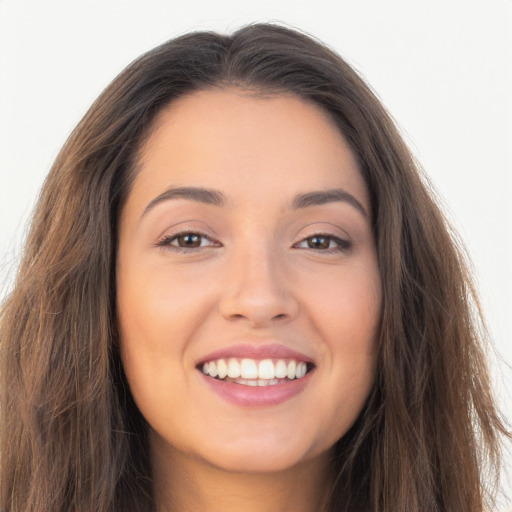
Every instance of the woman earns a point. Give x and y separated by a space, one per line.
238 294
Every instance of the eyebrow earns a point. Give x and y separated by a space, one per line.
333 195
201 195
216 198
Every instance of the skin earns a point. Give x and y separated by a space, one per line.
258 277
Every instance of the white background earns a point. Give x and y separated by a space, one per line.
443 69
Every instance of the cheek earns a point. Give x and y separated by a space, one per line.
160 314
159 306
346 314
347 307
152 357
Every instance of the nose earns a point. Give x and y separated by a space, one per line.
257 291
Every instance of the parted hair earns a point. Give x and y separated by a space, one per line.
72 439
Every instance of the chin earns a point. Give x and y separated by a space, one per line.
261 457
258 464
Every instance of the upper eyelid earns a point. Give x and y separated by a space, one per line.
343 238
326 235
183 228
322 227
173 236
342 243
324 232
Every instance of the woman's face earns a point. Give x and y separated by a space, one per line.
246 252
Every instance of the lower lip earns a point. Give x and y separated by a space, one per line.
257 396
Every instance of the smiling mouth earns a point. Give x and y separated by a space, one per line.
252 372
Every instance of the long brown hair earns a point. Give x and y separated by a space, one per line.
72 438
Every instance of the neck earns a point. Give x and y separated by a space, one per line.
185 484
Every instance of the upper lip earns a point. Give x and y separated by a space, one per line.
256 351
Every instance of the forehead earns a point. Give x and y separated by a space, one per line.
249 144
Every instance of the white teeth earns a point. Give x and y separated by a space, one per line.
300 370
222 368
233 369
212 369
248 369
281 369
266 369
291 369
255 373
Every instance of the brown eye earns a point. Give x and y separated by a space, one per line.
319 242
324 243
188 240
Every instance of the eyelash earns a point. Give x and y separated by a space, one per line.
341 244
167 242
